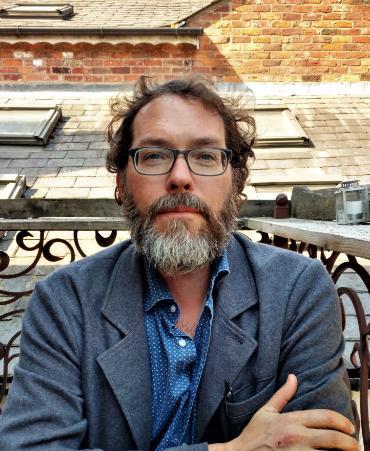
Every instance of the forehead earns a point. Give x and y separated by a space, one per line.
172 116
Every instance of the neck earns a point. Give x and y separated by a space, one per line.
189 291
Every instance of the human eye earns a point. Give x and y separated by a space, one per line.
205 156
153 156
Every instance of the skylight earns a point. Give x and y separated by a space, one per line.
278 127
39 10
27 125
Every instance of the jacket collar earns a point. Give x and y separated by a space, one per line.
126 365
123 305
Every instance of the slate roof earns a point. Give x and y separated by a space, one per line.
72 163
116 13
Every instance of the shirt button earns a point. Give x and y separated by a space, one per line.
182 343
173 308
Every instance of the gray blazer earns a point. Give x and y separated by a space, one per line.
84 381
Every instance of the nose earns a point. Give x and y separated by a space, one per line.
180 178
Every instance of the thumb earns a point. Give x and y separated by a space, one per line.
281 398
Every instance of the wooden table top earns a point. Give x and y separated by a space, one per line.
349 239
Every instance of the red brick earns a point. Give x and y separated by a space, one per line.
329 62
121 53
271 31
110 62
120 70
6 62
100 70
311 62
301 8
237 23
114 78
250 16
93 62
357 16
132 78
11 77
94 78
139 70
152 62
261 8
54 62
351 62
241 39
350 47
223 9
168 62
350 31
36 69
269 63
339 70
291 16
201 70
273 47
61 70
311 78
73 78
361 39
10 70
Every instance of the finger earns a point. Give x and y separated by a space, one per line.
281 398
323 419
322 439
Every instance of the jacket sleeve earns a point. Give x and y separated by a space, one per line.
45 406
44 409
312 344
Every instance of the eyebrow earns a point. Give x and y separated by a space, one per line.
198 142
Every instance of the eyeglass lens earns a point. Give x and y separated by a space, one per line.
202 161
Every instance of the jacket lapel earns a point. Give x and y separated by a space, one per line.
230 347
126 365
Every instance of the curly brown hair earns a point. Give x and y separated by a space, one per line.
239 125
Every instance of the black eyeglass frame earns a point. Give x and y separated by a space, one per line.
176 153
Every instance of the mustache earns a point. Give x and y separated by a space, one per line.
169 201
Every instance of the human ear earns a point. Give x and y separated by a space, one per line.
119 190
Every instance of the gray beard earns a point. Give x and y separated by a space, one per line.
179 249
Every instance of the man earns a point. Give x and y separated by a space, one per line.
192 335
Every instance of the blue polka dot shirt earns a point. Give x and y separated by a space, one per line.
177 360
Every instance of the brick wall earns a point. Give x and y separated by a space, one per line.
244 40
281 40
86 63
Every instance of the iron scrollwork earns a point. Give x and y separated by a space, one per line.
41 249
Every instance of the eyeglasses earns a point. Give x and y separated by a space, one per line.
156 160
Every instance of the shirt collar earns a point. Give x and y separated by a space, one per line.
156 289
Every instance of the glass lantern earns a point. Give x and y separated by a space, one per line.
352 203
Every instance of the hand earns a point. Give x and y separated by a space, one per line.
294 431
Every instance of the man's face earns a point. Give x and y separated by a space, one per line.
180 123
199 211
